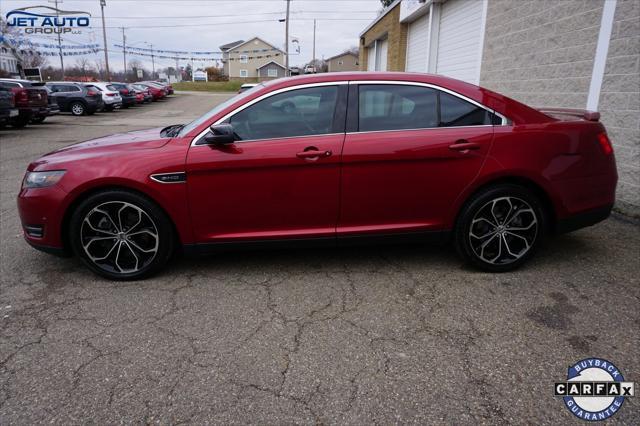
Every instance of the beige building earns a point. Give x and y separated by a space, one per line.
347 61
244 60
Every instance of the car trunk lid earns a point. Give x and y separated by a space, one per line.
570 114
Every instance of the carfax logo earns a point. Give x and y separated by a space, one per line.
595 389
48 20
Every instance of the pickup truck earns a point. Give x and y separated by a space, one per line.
31 100
8 108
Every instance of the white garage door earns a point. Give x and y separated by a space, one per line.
417 42
460 39
371 57
381 60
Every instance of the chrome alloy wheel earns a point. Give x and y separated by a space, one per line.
503 230
77 109
119 237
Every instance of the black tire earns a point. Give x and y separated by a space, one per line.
108 108
521 225
77 108
38 120
121 234
20 122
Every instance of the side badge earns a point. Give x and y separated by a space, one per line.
174 177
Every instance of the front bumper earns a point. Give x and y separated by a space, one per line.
42 209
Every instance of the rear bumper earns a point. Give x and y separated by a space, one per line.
584 219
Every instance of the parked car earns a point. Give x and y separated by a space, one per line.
8 108
110 95
145 91
30 99
54 109
247 86
76 98
127 93
354 157
166 85
157 93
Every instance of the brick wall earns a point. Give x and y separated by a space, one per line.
541 52
396 36
619 102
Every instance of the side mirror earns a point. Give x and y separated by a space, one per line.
220 134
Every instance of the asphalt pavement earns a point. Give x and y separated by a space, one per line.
373 335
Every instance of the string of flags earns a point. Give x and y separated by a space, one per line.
191 58
21 42
187 52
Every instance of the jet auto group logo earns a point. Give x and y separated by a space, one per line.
595 389
48 20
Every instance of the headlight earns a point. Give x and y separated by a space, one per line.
42 179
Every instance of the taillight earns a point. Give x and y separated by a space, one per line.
92 93
13 99
605 143
21 94
111 94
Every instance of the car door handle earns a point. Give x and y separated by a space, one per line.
313 154
464 145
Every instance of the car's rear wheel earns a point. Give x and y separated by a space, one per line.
121 235
19 122
77 108
500 227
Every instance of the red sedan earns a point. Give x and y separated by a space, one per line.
327 158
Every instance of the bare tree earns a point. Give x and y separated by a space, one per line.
100 67
84 64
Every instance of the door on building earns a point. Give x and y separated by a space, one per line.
417 45
460 40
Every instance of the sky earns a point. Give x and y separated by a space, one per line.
206 24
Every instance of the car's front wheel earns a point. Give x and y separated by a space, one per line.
77 108
121 235
500 227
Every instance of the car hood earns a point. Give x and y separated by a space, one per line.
121 143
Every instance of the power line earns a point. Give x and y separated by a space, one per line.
236 15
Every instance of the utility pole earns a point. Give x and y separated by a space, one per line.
314 46
59 41
103 3
153 64
124 53
286 42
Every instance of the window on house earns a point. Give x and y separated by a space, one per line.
340 62
299 112
244 59
272 72
244 73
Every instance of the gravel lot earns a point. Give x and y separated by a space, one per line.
400 334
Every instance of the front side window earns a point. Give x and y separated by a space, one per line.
299 112
397 107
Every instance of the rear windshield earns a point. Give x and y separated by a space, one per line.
111 87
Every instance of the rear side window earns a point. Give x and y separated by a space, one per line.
396 107
458 112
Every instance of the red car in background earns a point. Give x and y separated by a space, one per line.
327 158
157 93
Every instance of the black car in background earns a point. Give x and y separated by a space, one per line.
7 106
31 99
76 98
127 93
54 109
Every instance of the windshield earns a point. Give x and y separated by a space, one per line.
195 123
